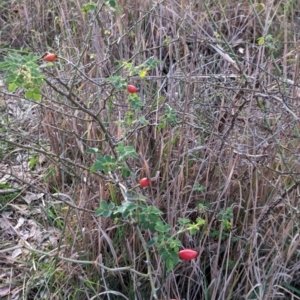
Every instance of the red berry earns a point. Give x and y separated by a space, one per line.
187 254
144 182
131 89
50 57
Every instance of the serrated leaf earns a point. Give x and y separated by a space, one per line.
153 210
151 227
199 188
107 214
104 163
12 87
130 196
131 206
154 219
126 205
125 214
36 97
103 204
164 254
28 94
193 231
200 221
183 221
111 206
126 151
4 65
162 228
261 41
89 7
135 101
170 264
125 172
152 242
175 258
99 212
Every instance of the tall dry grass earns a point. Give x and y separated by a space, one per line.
228 73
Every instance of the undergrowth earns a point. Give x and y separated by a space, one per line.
213 130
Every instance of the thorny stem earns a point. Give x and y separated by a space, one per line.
149 274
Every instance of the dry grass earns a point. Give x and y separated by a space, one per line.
236 134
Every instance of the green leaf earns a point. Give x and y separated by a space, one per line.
32 58
102 208
88 7
160 239
200 221
105 209
19 81
125 172
111 206
92 150
143 121
126 151
4 65
125 214
28 94
152 242
164 254
112 3
169 117
126 206
170 264
26 85
135 102
227 224
175 257
175 244
153 210
104 163
36 90
131 206
33 160
119 82
36 97
155 219
151 63
162 228
99 212
107 214
142 219
130 196
184 221
104 204
151 227
261 41
12 87
199 188
193 230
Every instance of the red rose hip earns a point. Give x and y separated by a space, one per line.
187 254
131 89
144 182
50 57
